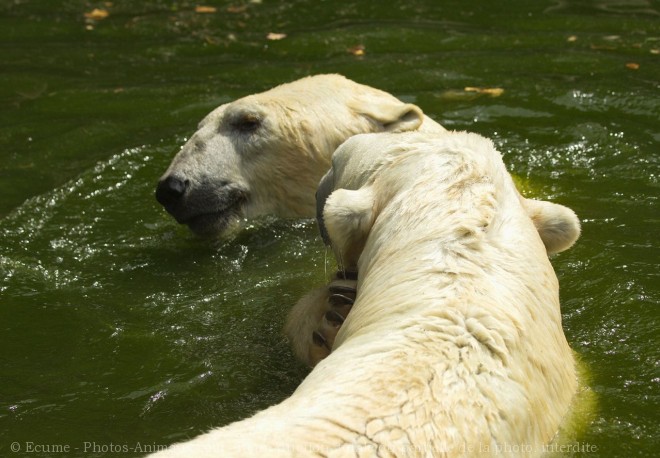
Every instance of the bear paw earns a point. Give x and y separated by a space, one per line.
314 321
341 296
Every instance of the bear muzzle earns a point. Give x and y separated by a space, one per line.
170 189
207 209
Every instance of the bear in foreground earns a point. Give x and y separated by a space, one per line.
454 345
265 153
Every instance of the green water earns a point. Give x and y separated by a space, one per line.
119 330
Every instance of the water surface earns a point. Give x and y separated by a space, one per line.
120 331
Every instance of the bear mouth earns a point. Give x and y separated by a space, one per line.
214 224
217 222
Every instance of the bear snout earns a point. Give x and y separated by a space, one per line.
207 207
170 189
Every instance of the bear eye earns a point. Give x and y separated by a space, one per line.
247 123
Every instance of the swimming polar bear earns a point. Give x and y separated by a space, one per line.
265 153
454 345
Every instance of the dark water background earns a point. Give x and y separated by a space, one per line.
119 330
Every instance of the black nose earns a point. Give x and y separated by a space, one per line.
170 189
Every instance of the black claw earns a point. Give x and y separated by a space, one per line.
342 289
334 318
340 299
319 340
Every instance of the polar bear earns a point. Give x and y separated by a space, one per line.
454 345
265 153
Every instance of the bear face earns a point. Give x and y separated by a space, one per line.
264 153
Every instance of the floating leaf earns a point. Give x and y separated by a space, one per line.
357 50
275 36
632 66
205 9
97 14
491 91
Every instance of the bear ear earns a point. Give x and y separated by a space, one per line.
558 226
392 114
348 217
